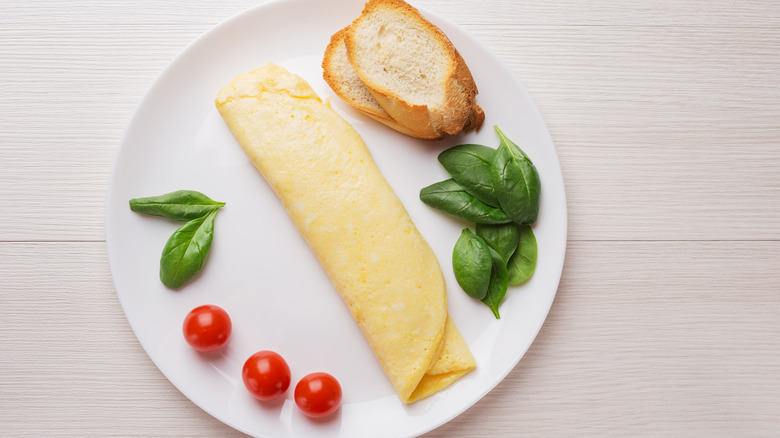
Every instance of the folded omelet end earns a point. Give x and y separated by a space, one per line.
453 362
268 78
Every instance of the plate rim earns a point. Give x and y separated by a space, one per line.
160 77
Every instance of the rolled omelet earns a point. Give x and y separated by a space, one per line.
381 266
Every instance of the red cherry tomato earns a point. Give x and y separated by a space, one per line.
266 375
207 328
318 395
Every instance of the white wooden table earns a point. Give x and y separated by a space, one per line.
666 118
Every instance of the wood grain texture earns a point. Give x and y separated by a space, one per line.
666 120
675 125
721 13
644 338
648 339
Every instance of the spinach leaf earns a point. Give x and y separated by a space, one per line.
186 251
469 165
449 197
516 182
498 283
503 238
523 262
181 205
472 264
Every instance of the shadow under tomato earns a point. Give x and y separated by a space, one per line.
329 426
271 405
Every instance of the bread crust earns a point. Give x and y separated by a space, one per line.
331 73
459 110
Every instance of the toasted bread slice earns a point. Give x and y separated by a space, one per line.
341 77
412 69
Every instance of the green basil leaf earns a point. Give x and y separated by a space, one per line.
523 262
503 238
516 182
186 251
449 197
469 165
498 283
472 264
181 205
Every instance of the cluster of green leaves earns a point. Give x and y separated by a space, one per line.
186 251
498 190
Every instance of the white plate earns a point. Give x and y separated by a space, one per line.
260 269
